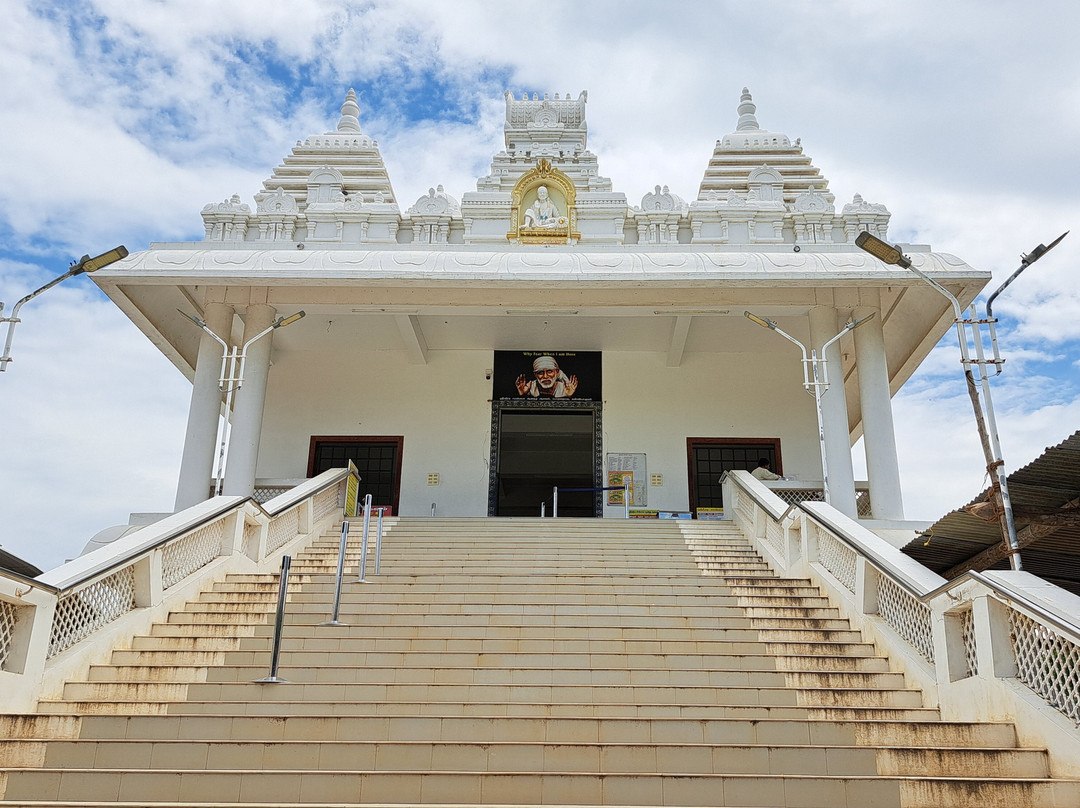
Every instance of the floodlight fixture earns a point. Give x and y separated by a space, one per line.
762 321
84 264
1025 262
882 250
292 318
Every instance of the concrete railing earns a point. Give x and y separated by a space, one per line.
55 626
992 646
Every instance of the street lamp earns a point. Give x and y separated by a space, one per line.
985 418
820 384
84 264
233 362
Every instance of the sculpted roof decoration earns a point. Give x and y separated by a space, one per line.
758 188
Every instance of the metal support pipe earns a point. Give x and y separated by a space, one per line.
279 624
378 542
333 621
543 509
432 510
995 465
364 543
815 379
626 501
555 502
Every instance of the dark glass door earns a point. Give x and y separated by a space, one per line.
540 449
378 459
709 458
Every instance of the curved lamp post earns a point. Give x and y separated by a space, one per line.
985 419
233 362
818 369
84 264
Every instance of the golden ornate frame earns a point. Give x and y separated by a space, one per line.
543 174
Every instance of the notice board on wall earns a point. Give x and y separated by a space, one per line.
628 468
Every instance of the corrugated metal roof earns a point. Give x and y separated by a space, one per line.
1044 486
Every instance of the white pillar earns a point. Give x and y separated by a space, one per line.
824 325
248 406
879 438
200 442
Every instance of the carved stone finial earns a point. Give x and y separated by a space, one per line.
747 108
350 114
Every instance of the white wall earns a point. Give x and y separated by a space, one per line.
443 410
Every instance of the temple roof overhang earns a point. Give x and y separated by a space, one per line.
672 301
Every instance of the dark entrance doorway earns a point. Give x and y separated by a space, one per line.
709 458
377 459
535 448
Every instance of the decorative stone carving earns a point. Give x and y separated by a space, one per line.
277 215
859 215
659 217
543 207
227 220
432 215
812 216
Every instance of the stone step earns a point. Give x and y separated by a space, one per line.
284 787
517 676
510 655
555 692
552 730
278 709
641 757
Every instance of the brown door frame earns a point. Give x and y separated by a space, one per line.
692 442
398 440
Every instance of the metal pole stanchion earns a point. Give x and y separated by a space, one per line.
333 621
363 544
543 509
555 502
279 623
378 542
626 501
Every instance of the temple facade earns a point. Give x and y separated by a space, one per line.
470 355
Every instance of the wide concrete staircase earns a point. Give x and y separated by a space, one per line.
524 662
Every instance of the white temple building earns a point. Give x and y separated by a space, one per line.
544 330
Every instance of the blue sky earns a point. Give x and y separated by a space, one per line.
123 119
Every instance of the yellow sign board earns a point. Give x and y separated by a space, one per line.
352 490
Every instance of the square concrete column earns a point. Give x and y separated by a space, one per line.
824 325
247 415
204 412
879 438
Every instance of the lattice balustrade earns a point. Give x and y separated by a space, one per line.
8 617
183 556
1048 663
265 493
79 614
793 496
907 615
744 509
283 528
837 558
774 535
967 632
326 502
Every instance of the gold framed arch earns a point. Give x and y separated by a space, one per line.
547 216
